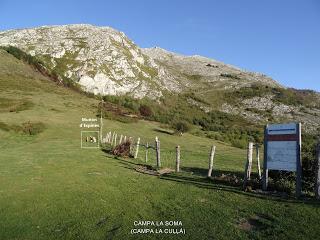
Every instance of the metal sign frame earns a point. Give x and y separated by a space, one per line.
282 134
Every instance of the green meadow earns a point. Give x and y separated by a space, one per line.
51 188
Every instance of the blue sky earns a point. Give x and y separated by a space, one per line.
280 38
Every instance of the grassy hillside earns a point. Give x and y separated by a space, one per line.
52 189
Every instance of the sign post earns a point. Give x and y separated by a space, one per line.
282 151
317 190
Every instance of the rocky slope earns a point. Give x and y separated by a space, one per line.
101 59
105 61
197 71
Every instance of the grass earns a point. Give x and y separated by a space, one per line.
13 105
52 189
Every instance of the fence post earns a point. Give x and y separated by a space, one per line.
120 141
112 139
130 147
125 138
299 164
157 142
177 158
115 140
265 161
258 160
317 190
101 122
137 148
211 157
109 137
248 165
147 147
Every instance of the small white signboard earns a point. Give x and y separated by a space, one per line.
282 145
282 156
282 151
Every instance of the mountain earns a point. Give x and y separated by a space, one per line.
105 61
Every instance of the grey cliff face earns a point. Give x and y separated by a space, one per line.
104 61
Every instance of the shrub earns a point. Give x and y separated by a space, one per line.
32 128
122 150
181 126
145 110
228 75
239 143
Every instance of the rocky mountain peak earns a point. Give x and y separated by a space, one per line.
105 61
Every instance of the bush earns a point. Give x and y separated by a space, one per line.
122 150
239 143
181 126
227 75
32 128
145 111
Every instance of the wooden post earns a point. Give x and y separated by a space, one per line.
211 157
248 165
120 141
157 142
265 161
107 138
258 160
137 148
130 147
177 158
299 163
147 148
125 138
317 190
112 138
101 122
115 139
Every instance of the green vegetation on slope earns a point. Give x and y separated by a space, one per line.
14 105
52 189
56 74
288 96
215 124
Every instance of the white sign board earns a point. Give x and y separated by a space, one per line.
282 156
283 141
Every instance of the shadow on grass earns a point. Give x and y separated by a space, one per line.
229 181
223 184
163 131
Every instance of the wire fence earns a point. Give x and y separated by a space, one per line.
194 159
243 165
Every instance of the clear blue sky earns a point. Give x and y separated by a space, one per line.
280 38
